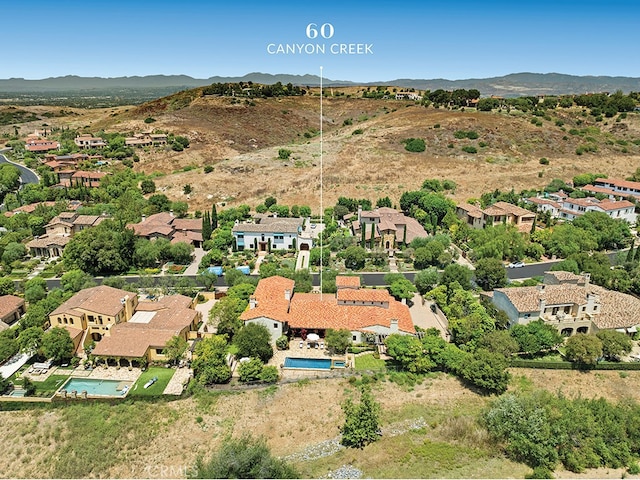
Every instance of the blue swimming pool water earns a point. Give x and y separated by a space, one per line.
310 363
94 386
339 364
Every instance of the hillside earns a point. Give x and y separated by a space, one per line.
363 153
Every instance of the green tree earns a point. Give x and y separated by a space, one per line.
243 457
583 349
457 273
490 274
487 370
76 280
338 341
362 420
210 363
254 340
614 344
30 339
535 337
402 289
57 344
225 316
207 229
425 280
250 371
175 348
7 287
499 341
9 179
214 217
8 345
12 252
147 186
354 257
409 352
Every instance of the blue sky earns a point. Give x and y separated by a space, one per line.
415 39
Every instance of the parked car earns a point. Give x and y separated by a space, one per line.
515 265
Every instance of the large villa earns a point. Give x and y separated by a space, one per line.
363 311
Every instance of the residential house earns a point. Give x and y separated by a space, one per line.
59 231
499 212
408 96
370 314
269 233
388 226
146 139
567 208
95 311
11 309
41 145
87 141
123 327
615 188
146 333
165 225
570 303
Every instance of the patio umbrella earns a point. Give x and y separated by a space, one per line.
313 337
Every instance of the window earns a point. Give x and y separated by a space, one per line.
353 337
275 325
159 351
527 315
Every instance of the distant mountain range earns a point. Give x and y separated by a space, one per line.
512 85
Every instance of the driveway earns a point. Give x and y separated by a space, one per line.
302 261
424 317
192 269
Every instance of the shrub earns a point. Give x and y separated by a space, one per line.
284 154
282 342
269 374
357 131
149 120
470 149
347 121
414 145
251 370
544 161
208 168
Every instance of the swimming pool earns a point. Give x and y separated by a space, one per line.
312 363
96 387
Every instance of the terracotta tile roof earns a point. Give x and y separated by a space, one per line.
101 299
271 302
527 299
513 209
618 310
45 241
562 276
195 225
619 183
470 210
543 201
347 281
307 310
91 220
153 324
9 304
615 204
363 295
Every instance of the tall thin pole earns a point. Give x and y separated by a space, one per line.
321 188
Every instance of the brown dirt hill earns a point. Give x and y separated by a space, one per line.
363 153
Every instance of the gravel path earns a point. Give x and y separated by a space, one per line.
332 446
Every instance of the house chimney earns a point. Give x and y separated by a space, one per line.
359 212
253 303
287 294
393 325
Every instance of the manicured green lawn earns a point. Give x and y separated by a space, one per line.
49 386
369 362
163 374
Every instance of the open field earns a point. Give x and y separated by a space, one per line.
136 439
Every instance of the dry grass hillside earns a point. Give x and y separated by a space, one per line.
362 150
163 439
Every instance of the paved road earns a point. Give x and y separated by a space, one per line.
26 175
538 269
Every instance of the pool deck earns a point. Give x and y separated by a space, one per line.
296 351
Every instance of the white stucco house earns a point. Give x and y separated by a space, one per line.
269 233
